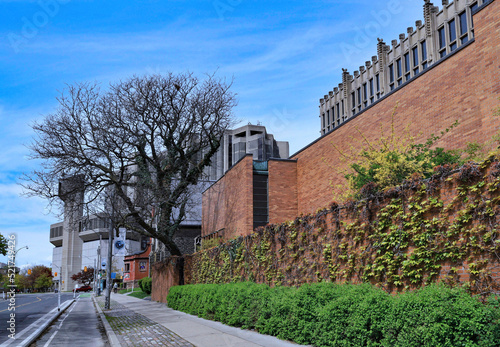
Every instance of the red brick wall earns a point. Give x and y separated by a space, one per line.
465 87
164 276
228 204
282 190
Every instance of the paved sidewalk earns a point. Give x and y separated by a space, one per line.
133 329
139 322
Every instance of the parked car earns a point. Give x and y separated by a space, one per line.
83 289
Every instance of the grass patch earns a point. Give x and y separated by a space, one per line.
125 291
139 294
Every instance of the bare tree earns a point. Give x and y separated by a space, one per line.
146 139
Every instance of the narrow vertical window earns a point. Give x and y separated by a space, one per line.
473 8
377 78
353 98
391 76
372 92
365 95
414 53
453 34
464 35
407 66
399 71
328 117
423 46
338 112
359 99
442 42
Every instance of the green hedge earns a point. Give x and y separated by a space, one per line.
326 314
146 284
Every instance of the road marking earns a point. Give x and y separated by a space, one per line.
60 325
29 303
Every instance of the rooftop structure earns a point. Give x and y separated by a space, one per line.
441 33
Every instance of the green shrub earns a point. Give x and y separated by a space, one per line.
326 314
146 284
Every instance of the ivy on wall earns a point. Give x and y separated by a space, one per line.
445 229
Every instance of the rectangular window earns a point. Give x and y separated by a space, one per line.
464 35
343 112
391 76
377 78
453 34
359 96
371 87
323 120
365 91
327 117
338 111
423 47
442 42
407 66
415 55
353 98
399 65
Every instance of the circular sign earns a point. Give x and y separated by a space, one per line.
119 244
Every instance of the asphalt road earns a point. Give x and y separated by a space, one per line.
29 308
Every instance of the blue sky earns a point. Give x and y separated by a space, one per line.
283 55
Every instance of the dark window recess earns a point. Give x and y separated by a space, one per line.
377 78
391 73
260 200
365 91
415 55
327 121
407 66
343 112
442 42
338 113
400 68
371 87
423 46
353 100
323 120
359 96
464 35
453 34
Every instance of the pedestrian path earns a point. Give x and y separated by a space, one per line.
139 322
133 329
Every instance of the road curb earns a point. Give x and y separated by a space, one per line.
36 334
112 338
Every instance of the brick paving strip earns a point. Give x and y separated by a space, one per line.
133 329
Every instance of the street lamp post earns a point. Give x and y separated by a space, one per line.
59 290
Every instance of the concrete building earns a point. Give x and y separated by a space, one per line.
82 241
237 143
440 34
457 80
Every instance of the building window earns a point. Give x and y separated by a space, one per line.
399 71
407 66
343 112
338 112
372 92
464 35
365 95
127 267
442 42
142 266
423 47
359 99
453 35
327 117
353 97
323 120
391 76
414 52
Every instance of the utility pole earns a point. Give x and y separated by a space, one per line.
107 302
